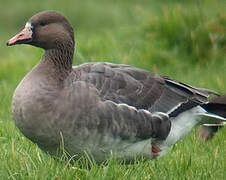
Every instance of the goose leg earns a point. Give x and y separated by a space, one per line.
206 133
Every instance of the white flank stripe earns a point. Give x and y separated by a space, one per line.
174 108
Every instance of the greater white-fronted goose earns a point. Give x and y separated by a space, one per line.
100 108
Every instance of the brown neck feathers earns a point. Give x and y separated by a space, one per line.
61 58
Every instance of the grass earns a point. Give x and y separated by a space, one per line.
183 39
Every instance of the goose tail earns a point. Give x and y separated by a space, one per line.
214 114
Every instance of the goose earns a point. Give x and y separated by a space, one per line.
99 108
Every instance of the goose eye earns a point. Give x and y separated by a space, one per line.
42 24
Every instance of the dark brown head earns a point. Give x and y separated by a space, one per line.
48 30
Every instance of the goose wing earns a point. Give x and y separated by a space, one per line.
141 89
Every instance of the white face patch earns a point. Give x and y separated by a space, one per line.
28 26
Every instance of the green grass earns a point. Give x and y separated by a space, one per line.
185 40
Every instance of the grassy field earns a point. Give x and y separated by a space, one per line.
185 40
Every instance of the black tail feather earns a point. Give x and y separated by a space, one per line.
215 108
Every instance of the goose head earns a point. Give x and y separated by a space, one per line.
47 30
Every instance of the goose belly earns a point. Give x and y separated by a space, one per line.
101 147
180 127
